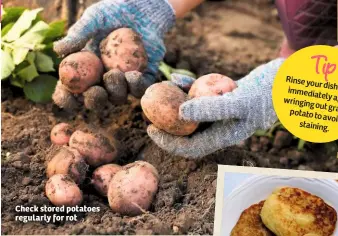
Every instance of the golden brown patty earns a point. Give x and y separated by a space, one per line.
250 223
294 212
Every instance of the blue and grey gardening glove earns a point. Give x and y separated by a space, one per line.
236 115
151 19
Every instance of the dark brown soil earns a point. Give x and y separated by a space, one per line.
217 37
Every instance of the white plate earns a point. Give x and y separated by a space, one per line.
258 188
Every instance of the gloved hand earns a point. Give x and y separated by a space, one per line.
236 115
151 19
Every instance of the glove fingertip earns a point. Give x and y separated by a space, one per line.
182 81
67 46
185 111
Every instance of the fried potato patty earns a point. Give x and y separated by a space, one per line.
293 212
250 223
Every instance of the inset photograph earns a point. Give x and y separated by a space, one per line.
268 202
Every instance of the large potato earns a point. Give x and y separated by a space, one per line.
80 70
96 148
70 162
62 190
132 189
123 49
211 85
102 177
161 103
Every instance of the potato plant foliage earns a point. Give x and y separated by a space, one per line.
27 52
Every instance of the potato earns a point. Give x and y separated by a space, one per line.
161 103
123 49
70 162
116 85
61 190
102 177
63 98
61 133
211 85
80 70
132 189
96 148
95 98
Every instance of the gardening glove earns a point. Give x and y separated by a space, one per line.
151 19
236 115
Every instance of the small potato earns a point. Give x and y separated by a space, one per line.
102 177
70 162
211 85
61 190
95 98
96 148
123 49
63 98
80 70
161 103
116 85
132 189
61 133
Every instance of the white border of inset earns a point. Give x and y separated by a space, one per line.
258 171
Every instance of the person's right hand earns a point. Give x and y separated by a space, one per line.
151 19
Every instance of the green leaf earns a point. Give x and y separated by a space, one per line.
18 82
5 29
28 73
260 133
31 57
184 72
19 55
40 89
29 41
7 64
22 24
56 30
43 62
50 52
11 14
301 144
33 36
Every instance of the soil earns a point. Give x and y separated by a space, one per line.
219 37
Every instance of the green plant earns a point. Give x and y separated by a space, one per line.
167 70
27 52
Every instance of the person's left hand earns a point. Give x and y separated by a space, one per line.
236 115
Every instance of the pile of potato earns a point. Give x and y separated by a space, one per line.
83 79
130 189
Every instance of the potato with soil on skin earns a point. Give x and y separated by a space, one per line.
161 103
70 162
123 49
116 86
80 70
63 98
132 189
61 133
103 175
97 148
95 98
62 190
211 85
